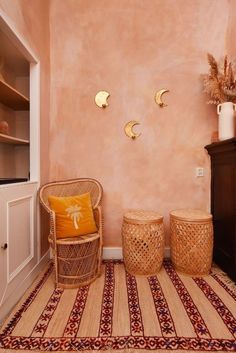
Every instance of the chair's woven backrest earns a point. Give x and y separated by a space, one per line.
70 188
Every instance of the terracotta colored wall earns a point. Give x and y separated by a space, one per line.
132 49
31 18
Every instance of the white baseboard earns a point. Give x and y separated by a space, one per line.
167 252
115 253
20 290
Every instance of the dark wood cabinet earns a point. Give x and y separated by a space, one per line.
223 203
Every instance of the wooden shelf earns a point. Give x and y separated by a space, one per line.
10 97
12 180
12 140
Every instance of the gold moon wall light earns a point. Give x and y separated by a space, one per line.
158 97
101 99
129 129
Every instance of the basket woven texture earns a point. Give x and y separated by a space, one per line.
77 260
143 242
78 263
191 241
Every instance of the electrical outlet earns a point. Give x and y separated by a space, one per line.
199 172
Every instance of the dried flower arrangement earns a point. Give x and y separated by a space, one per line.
220 83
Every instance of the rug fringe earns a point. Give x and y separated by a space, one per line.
224 278
106 351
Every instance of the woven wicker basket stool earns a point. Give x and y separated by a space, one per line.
191 242
143 242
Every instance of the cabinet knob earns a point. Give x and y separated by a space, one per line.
4 246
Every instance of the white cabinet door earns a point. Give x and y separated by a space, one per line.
18 234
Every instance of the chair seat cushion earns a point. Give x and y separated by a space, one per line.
74 215
80 239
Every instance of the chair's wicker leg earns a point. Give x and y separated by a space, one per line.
56 265
99 257
101 224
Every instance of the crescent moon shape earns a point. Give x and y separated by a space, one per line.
158 97
129 129
101 99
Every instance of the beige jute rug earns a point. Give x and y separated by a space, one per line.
124 313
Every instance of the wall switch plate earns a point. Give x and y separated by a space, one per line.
199 172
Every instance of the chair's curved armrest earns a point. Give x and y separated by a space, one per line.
42 203
52 233
97 211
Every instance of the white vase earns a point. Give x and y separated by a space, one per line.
226 122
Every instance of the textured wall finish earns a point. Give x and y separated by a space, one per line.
231 33
132 49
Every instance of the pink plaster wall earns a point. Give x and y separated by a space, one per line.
231 33
132 49
31 19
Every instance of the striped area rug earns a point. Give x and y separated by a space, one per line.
125 313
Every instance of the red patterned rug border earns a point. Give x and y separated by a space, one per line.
136 322
224 313
73 323
105 328
12 323
162 309
117 343
191 309
47 314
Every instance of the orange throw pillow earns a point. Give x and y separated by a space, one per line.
74 215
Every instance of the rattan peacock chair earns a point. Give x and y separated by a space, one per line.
77 260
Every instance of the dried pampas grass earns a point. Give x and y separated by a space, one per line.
220 83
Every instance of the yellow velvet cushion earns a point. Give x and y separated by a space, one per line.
74 215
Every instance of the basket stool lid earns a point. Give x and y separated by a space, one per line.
142 217
189 214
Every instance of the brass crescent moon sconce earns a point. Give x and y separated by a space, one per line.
101 99
129 129
158 97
